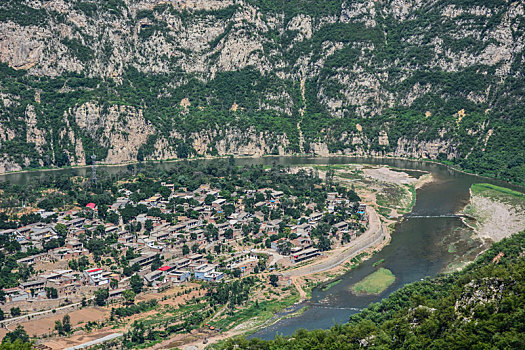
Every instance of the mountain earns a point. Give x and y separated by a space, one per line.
481 307
129 80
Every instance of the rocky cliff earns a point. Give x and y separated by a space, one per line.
145 79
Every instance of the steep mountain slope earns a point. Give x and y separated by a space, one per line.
481 307
145 79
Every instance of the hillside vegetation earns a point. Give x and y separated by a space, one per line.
481 307
129 80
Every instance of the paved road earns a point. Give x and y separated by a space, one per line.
372 236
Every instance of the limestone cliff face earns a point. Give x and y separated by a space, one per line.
384 77
120 129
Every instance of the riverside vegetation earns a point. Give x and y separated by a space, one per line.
400 78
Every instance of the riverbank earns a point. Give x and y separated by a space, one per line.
495 212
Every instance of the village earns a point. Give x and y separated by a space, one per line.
94 253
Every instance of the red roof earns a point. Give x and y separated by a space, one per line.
91 205
164 268
94 270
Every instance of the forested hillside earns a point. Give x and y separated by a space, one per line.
481 307
129 80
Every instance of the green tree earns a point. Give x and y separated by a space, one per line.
15 311
61 229
51 293
59 328
73 264
19 334
228 234
101 295
195 248
274 279
129 295
136 283
148 225
324 243
209 199
157 262
66 323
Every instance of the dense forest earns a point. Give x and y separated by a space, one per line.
137 80
481 307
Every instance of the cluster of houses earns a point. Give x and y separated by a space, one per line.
167 240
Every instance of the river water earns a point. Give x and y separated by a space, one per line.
420 246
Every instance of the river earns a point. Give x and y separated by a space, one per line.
420 245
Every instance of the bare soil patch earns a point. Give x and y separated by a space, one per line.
47 324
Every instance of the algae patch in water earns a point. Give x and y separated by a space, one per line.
375 283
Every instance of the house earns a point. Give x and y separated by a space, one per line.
77 222
153 200
96 277
204 269
127 238
314 217
213 276
199 234
218 203
192 223
15 294
166 268
74 244
143 260
276 194
110 228
30 260
36 285
179 276
42 232
341 226
64 281
303 229
302 242
153 276
120 203
66 253
115 294
181 263
275 244
304 255
196 258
